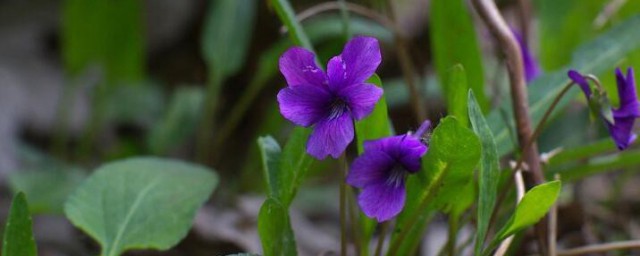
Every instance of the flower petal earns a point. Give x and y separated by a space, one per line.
305 104
361 57
371 167
404 149
577 78
627 94
331 136
361 98
298 67
621 132
382 201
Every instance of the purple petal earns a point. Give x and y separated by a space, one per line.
404 149
382 201
337 73
577 78
361 98
531 67
361 57
331 136
621 132
305 104
629 105
299 68
371 167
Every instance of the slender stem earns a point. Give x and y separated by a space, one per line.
553 226
343 205
356 235
520 190
205 132
383 233
413 219
519 98
355 8
344 13
452 235
543 121
613 246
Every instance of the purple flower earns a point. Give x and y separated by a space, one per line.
531 67
624 116
330 102
381 171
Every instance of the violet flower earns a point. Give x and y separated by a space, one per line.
330 102
624 116
531 66
381 171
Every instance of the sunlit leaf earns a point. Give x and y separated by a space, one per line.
140 203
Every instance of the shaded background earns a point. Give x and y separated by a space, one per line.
86 82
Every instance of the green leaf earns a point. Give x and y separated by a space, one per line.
445 179
47 189
376 125
592 57
180 120
295 163
457 94
454 41
275 230
18 235
534 205
288 18
270 152
489 172
91 35
140 203
227 33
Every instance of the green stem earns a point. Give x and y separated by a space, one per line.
205 132
383 232
61 137
542 122
343 205
413 219
452 235
344 13
95 122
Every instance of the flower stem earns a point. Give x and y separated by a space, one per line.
542 122
343 205
413 219
383 232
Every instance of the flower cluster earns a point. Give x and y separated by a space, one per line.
624 116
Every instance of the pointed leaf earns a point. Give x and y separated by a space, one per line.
275 230
18 234
489 172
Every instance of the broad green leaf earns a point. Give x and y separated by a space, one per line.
275 230
47 189
288 17
179 122
140 203
294 163
227 32
592 57
457 94
91 35
18 235
376 125
270 152
489 172
533 206
445 179
454 41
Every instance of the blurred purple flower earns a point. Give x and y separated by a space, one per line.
381 171
624 116
329 102
531 66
